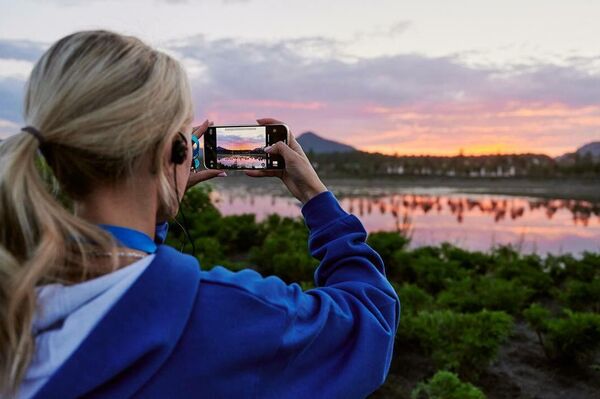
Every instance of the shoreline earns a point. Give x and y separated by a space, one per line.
586 189
573 189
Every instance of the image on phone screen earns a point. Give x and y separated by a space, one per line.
242 147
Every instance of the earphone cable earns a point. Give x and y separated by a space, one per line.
184 227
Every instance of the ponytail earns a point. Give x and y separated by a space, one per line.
34 232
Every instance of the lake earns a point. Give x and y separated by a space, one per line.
251 161
475 221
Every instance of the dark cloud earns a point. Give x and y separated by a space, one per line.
11 99
280 71
315 69
551 84
24 50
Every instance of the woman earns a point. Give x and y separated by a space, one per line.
93 304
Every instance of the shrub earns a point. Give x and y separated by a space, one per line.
581 295
537 316
203 219
400 267
564 267
466 343
427 268
446 385
575 337
209 252
527 270
474 294
284 251
386 243
476 262
238 233
413 298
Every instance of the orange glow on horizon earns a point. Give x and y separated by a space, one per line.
481 129
439 129
475 149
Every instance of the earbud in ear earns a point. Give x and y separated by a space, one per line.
179 150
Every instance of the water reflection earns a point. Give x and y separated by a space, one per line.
498 209
473 221
237 161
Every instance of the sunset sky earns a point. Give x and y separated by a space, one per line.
407 77
241 140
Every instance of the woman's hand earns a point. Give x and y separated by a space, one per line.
299 176
206 174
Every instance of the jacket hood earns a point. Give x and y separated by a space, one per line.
135 336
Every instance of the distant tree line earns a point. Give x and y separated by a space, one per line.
363 164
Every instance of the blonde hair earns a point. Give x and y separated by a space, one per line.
102 102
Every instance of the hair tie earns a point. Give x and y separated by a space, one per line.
35 133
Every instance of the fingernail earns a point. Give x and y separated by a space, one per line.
222 174
268 148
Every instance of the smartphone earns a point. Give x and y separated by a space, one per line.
242 146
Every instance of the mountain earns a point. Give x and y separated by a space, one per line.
311 142
592 148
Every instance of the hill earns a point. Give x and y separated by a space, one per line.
316 144
592 148
590 151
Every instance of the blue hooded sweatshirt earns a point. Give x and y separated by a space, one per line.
181 332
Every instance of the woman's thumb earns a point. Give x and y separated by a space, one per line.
279 148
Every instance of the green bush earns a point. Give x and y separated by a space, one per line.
581 295
575 337
465 343
427 268
564 267
527 270
537 316
386 243
209 252
413 298
284 251
203 219
238 233
474 294
446 385
475 262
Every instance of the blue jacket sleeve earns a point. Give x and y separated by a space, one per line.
339 337
160 232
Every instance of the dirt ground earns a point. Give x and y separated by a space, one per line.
521 371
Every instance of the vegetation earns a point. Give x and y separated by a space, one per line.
446 385
364 164
462 342
571 338
459 308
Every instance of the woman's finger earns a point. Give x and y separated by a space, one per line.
268 121
204 175
201 129
264 173
294 145
292 141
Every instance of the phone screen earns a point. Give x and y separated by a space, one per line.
242 147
